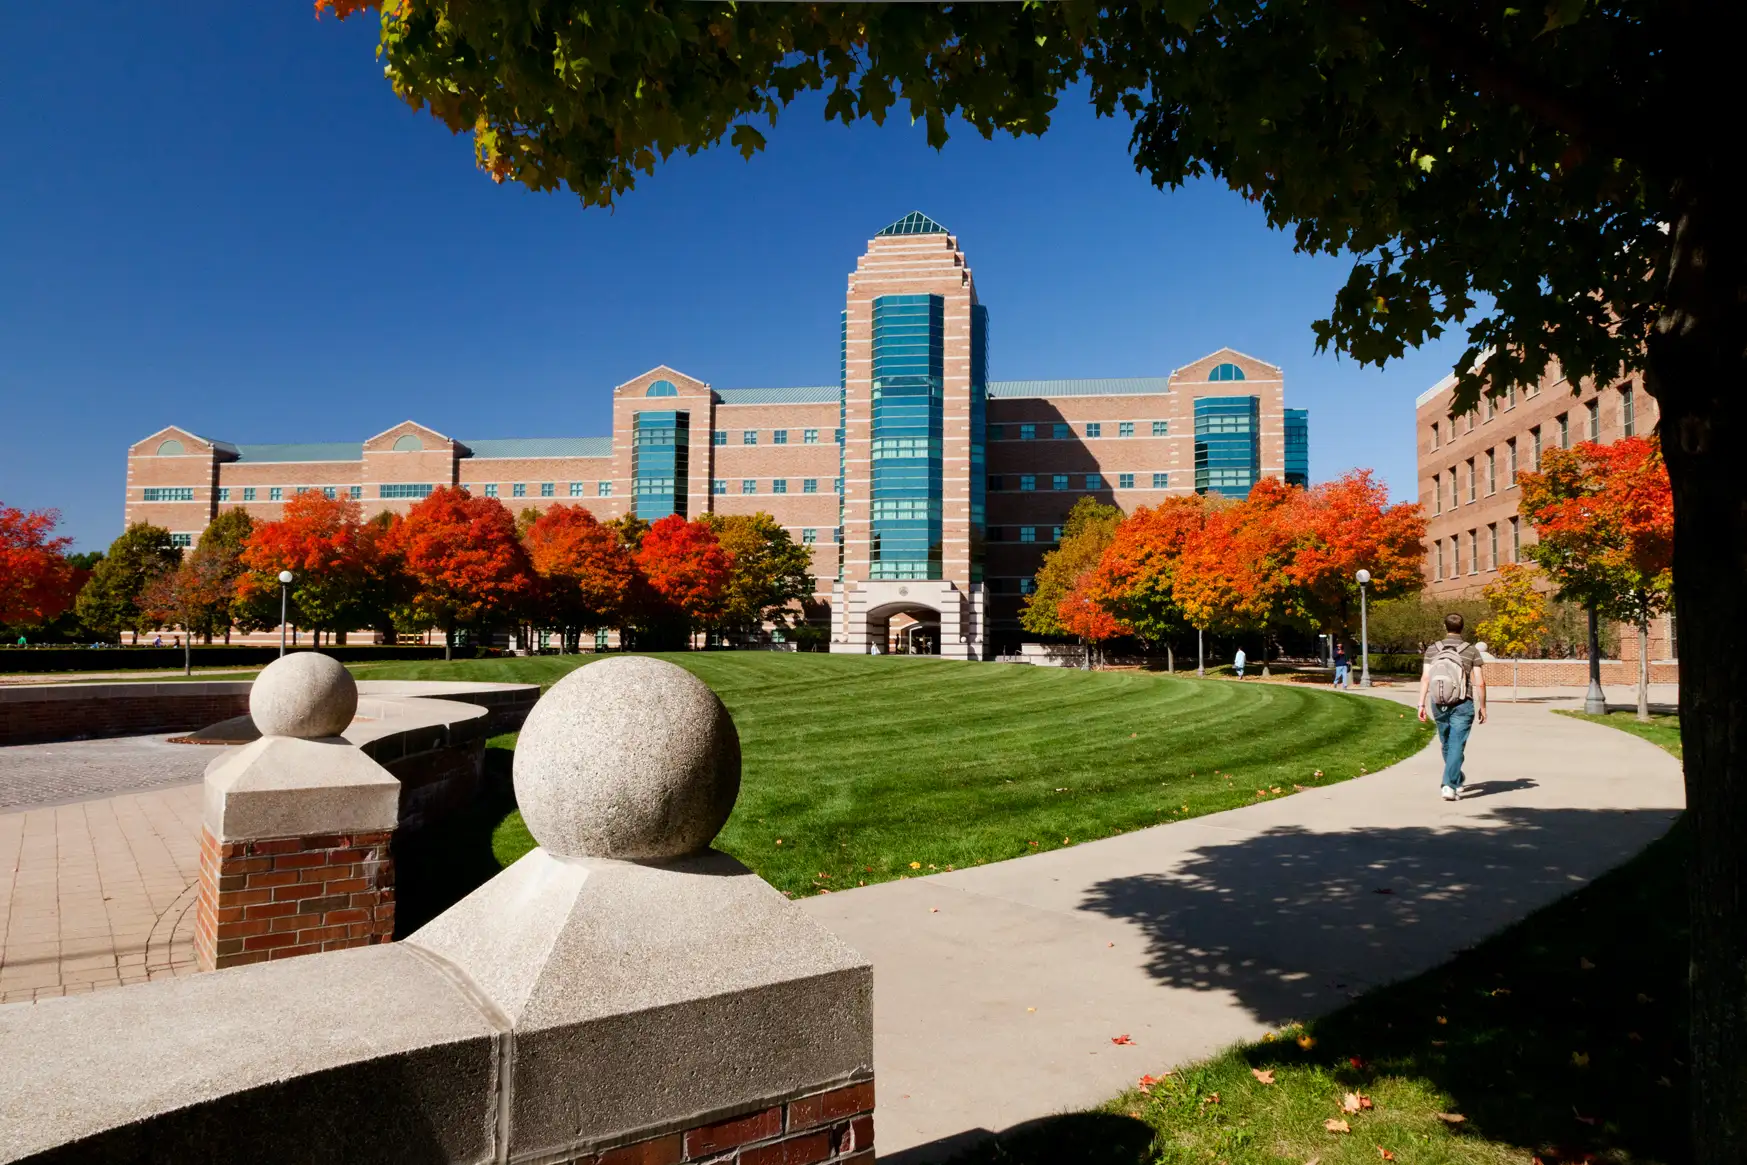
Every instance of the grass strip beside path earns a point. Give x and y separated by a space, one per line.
863 769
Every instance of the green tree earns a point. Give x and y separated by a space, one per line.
1088 531
1518 622
771 576
109 601
1559 163
218 557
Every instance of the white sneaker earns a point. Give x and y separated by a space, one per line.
1451 794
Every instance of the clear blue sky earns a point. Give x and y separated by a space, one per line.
219 216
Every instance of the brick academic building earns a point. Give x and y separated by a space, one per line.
928 492
1467 473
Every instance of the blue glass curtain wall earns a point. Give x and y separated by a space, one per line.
979 436
909 333
660 458
1228 444
1298 447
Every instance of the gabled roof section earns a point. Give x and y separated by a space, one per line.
426 429
823 394
542 447
914 223
305 451
1226 354
1108 386
660 372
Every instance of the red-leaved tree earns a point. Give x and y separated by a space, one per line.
586 572
462 560
1348 525
37 583
686 572
1235 574
1135 577
323 542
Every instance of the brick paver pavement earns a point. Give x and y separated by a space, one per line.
98 893
77 770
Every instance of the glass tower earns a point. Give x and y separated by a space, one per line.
1298 447
979 436
660 448
1228 444
909 334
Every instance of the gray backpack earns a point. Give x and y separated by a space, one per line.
1446 679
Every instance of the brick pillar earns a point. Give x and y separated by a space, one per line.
294 852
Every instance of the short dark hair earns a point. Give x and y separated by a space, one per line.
1453 623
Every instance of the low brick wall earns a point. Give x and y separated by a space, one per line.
834 1126
42 713
1574 673
276 898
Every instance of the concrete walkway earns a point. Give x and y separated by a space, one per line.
998 990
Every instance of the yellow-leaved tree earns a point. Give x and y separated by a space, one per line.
1518 621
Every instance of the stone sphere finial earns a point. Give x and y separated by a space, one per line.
306 695
629 758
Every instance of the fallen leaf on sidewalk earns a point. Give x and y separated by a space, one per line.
1451 1118
934 910
1122 1039
1265 1075
1337 1126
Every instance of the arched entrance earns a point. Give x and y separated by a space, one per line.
906 628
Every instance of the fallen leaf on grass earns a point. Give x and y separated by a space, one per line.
1307 1042
1451 1118
1210 1098
1385 1153
1337 1126
1147 1082
1353 1102
1265 1075
1122 1039
913 865
1356 1062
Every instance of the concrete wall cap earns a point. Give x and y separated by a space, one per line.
283 787
304 695
631 758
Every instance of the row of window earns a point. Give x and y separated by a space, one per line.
1490 404
1591 418
276 493
777 436
1064 431
778 485
1537 439
1026 482
1513 532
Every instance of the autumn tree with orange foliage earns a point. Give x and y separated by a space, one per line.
462 561
1136 576
37 583
1347 525
323 542
587 575
686 574
1234 575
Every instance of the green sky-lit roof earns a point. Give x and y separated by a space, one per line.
914 223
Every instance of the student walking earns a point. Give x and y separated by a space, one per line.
1452 689
1341 667
1237 663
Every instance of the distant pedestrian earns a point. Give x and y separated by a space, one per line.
157 641
1341 666
1452 689
1237 663
21 642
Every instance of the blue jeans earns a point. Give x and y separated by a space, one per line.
1454 723
1340 675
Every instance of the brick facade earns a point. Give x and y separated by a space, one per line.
275 898
1109 434
825 1127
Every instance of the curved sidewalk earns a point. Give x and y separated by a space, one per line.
997 990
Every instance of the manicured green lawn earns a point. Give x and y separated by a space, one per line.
1663 731
859 770
1560 1040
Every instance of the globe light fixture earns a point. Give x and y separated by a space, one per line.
285 580
1364 576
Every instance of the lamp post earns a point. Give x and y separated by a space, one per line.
1200 655
285 577
1364 576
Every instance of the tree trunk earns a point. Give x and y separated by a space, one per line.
1643 671
1170 660
1697 371
448 644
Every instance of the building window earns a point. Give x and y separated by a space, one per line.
1125 428
662 388
809 536
809 436
809 485
405 491
1055 533
748 485
1028 432
1491 406
1094 481
329 492
1473 481
1471 419
1161 481
1628 412
1060 431
1491 472
1125 481
719 486
1594 407
996 484
491 490
275 493
1027 482
837 535
1455 489
1439 568
1027 585
576 489
355 493
1456 553
1511 465
519 490
224 493
837 485
1161 428
1224 372
548 489
248 493
749 437
1028 533
182 540
1535 448
174 493
1492 542
603 489
1437 494
1510 398
1516 540
1564 430
1474 552
779 436
719 437
1094 429
997 433
837 436
1058 481
779 485
1434 435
